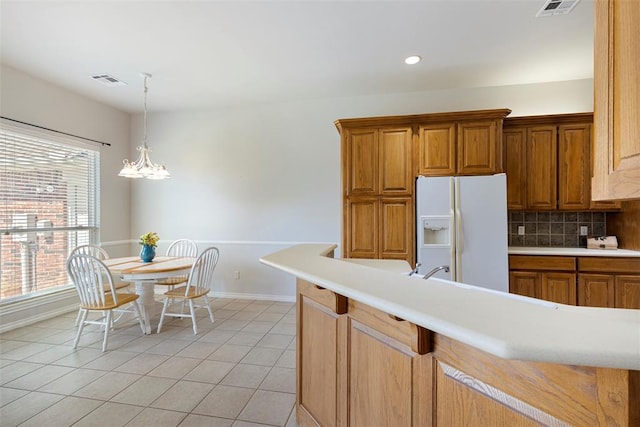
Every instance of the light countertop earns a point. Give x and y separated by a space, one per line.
524 250
506 325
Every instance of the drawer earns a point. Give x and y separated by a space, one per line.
609 265
545 263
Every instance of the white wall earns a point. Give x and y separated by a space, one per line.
256 179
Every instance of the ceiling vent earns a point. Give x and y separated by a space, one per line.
557 7
108 80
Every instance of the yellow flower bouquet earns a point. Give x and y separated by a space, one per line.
150 239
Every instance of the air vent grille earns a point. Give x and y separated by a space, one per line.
108 80
557 7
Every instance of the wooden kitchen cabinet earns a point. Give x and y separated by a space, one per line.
437 150
378 161
541 167
551 278
616 100
526 283
321 326
627 291
382 157
596 290
574 171
515 167
380 227
461 147
357 363
548 163
558 287
384 365
612 282
593 281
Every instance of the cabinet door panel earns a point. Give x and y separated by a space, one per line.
559 287
596 290
477 148
525 283
362 162
437 150
515 167
396 175
317 361
541 167
617 100
380 379
362 234
574 190
396 221
627 290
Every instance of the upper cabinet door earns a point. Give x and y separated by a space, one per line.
541 167
515 167
617 100
574 143
362 161
396 176
478 150
437 150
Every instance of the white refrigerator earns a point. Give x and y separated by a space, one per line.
462 224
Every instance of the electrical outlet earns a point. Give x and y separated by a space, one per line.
236 275
521 230
584 230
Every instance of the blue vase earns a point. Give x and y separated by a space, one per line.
147 253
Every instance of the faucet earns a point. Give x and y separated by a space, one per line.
415 270
435 270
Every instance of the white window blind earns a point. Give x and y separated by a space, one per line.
48 205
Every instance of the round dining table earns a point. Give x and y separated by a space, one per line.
145 274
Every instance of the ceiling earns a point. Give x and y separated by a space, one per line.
221 54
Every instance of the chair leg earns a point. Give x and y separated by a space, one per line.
83 317
206 301
164 309
108 321
193 317
78 317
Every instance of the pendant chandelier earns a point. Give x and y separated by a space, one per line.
144 167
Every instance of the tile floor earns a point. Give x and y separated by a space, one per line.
239 371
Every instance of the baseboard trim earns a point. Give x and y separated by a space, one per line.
262 297
8 326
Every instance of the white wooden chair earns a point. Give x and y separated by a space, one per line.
181 247
92 278
197 287
101 254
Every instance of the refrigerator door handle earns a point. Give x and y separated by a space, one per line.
452 240
459 239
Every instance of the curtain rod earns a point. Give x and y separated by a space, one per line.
56 131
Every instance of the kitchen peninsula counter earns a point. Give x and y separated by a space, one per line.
508 326
378 347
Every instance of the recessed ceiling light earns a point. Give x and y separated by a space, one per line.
411 60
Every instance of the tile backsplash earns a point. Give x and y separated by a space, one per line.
557 229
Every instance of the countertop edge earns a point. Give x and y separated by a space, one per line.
578 252
511 328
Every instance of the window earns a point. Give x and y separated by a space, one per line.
48 205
